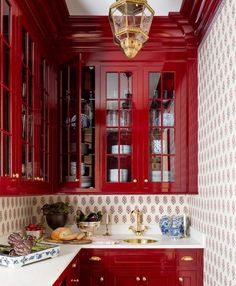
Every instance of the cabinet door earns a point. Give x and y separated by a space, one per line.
153 278
187 278
165 131
119 107
77 125
124 277
94 277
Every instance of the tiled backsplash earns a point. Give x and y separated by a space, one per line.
16 212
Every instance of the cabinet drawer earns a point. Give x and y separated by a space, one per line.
189 258
93 257
143 257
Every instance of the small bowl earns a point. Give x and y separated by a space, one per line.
89 227
36 233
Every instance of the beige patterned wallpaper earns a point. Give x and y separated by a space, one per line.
213 211
16 212
119 206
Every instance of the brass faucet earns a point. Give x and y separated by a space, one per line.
139 229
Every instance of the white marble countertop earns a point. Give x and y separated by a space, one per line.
46 272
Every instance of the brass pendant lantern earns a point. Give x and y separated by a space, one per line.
130 22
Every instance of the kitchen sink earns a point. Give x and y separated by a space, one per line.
140 240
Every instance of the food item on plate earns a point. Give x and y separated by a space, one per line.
21 245
80 236
63 233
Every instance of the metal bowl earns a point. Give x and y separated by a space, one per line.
89 227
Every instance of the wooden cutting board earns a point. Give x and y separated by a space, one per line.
74 241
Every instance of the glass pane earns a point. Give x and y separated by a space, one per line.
125 117
168 85
24 156
30 57
155 113
24 46
6 20
112 104
112 169
154 85
155 169
155 141
24 126
126 85
168 168
24 87
6 155
6 65
30 127
112 118
30 91
168 141
168 113
6 110
30 163
112 85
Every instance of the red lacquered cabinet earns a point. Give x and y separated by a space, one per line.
70 276
149 267
144 129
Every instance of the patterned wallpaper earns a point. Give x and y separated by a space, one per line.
213 211
119 206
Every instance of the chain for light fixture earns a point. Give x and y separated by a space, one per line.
130 22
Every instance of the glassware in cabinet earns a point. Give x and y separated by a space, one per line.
161 127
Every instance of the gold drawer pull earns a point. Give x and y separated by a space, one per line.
181 279
74 265
95 258
187 258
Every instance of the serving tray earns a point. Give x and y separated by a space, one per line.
48 251
74 241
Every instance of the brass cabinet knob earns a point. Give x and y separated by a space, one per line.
76 180
181 279
135 180
144 279
145 180
101 279
187 258
138 279
13 175
74 265
95 258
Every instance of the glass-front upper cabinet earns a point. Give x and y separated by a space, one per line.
27 110
77 125
143 121
119 162
6 164
43 172
161 127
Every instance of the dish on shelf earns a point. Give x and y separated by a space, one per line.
124 149
114 175
86 181
85 121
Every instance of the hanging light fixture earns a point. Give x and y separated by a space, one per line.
130 22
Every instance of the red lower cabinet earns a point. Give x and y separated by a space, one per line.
144 267
70 276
